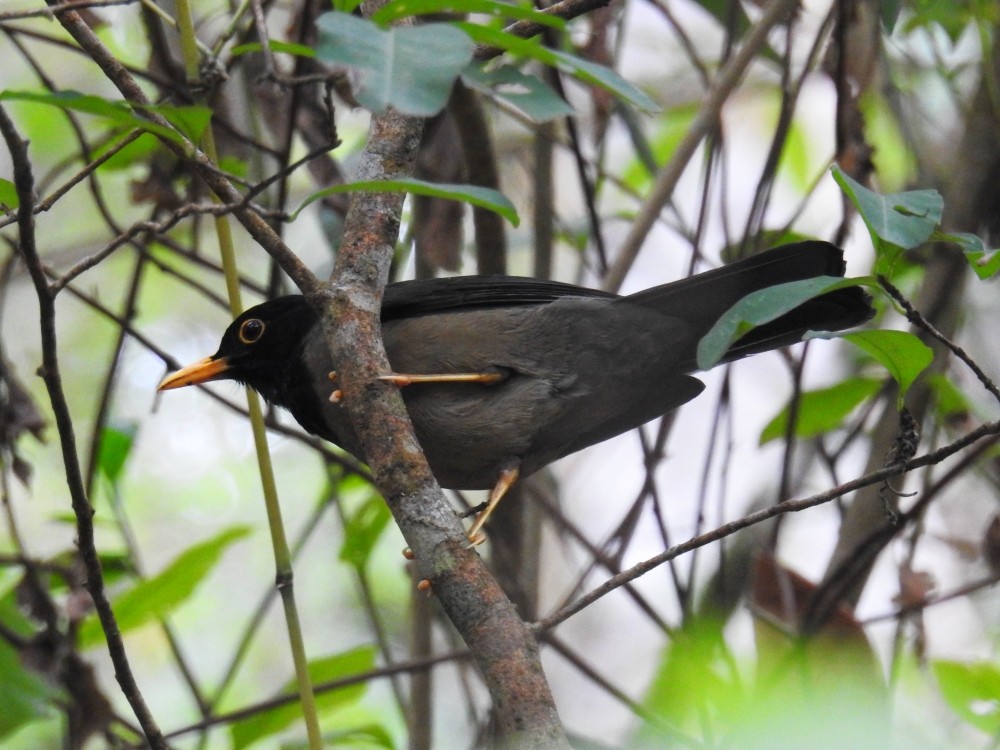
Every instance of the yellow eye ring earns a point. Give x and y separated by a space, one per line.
251 330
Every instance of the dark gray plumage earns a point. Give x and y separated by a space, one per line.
578 365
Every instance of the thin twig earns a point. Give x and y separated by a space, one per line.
914 316
787 506
322 687
705 121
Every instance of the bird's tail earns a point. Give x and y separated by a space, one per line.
701 300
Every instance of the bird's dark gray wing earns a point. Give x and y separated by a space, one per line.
407 299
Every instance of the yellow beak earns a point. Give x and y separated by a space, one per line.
201 371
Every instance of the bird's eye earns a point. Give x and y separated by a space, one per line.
251 330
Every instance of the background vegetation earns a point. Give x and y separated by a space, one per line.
677 598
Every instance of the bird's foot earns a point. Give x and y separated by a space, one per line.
506 480
474 510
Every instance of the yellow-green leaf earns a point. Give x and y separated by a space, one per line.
158 596
901 353
822 410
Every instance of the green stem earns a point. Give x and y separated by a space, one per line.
279 541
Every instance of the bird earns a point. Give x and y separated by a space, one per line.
502 375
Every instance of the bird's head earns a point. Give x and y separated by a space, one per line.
258 349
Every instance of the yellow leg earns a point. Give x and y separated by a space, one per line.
504 483
403 379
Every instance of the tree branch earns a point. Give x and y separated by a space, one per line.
84 511
502 646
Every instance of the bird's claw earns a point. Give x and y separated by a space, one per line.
337 395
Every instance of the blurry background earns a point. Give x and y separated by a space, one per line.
901 95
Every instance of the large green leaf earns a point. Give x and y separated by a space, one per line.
973 692
158 596
984 261
901 353
953 17
139 152
950 402
903 220
694 673
822 410
363 528
188 120
758 308
586 71
527 94
357 661
410 69
478 196
115 447
8 195
25 696
894 159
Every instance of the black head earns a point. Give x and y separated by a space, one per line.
258 349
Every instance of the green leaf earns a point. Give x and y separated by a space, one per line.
729 16
900 220
235 166
357 661
26 696
950 401
972 691
901 353
190 120
404 8
478 196
672 127
952 18
822 410
8 195
158 596
138 151
894 161
890 14
694 676
362 530
584 70
527 94
115 446
290 48
368 735
73 100
410 69
796 163
983 261
14 621
758 308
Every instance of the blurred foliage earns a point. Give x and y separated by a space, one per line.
128 231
